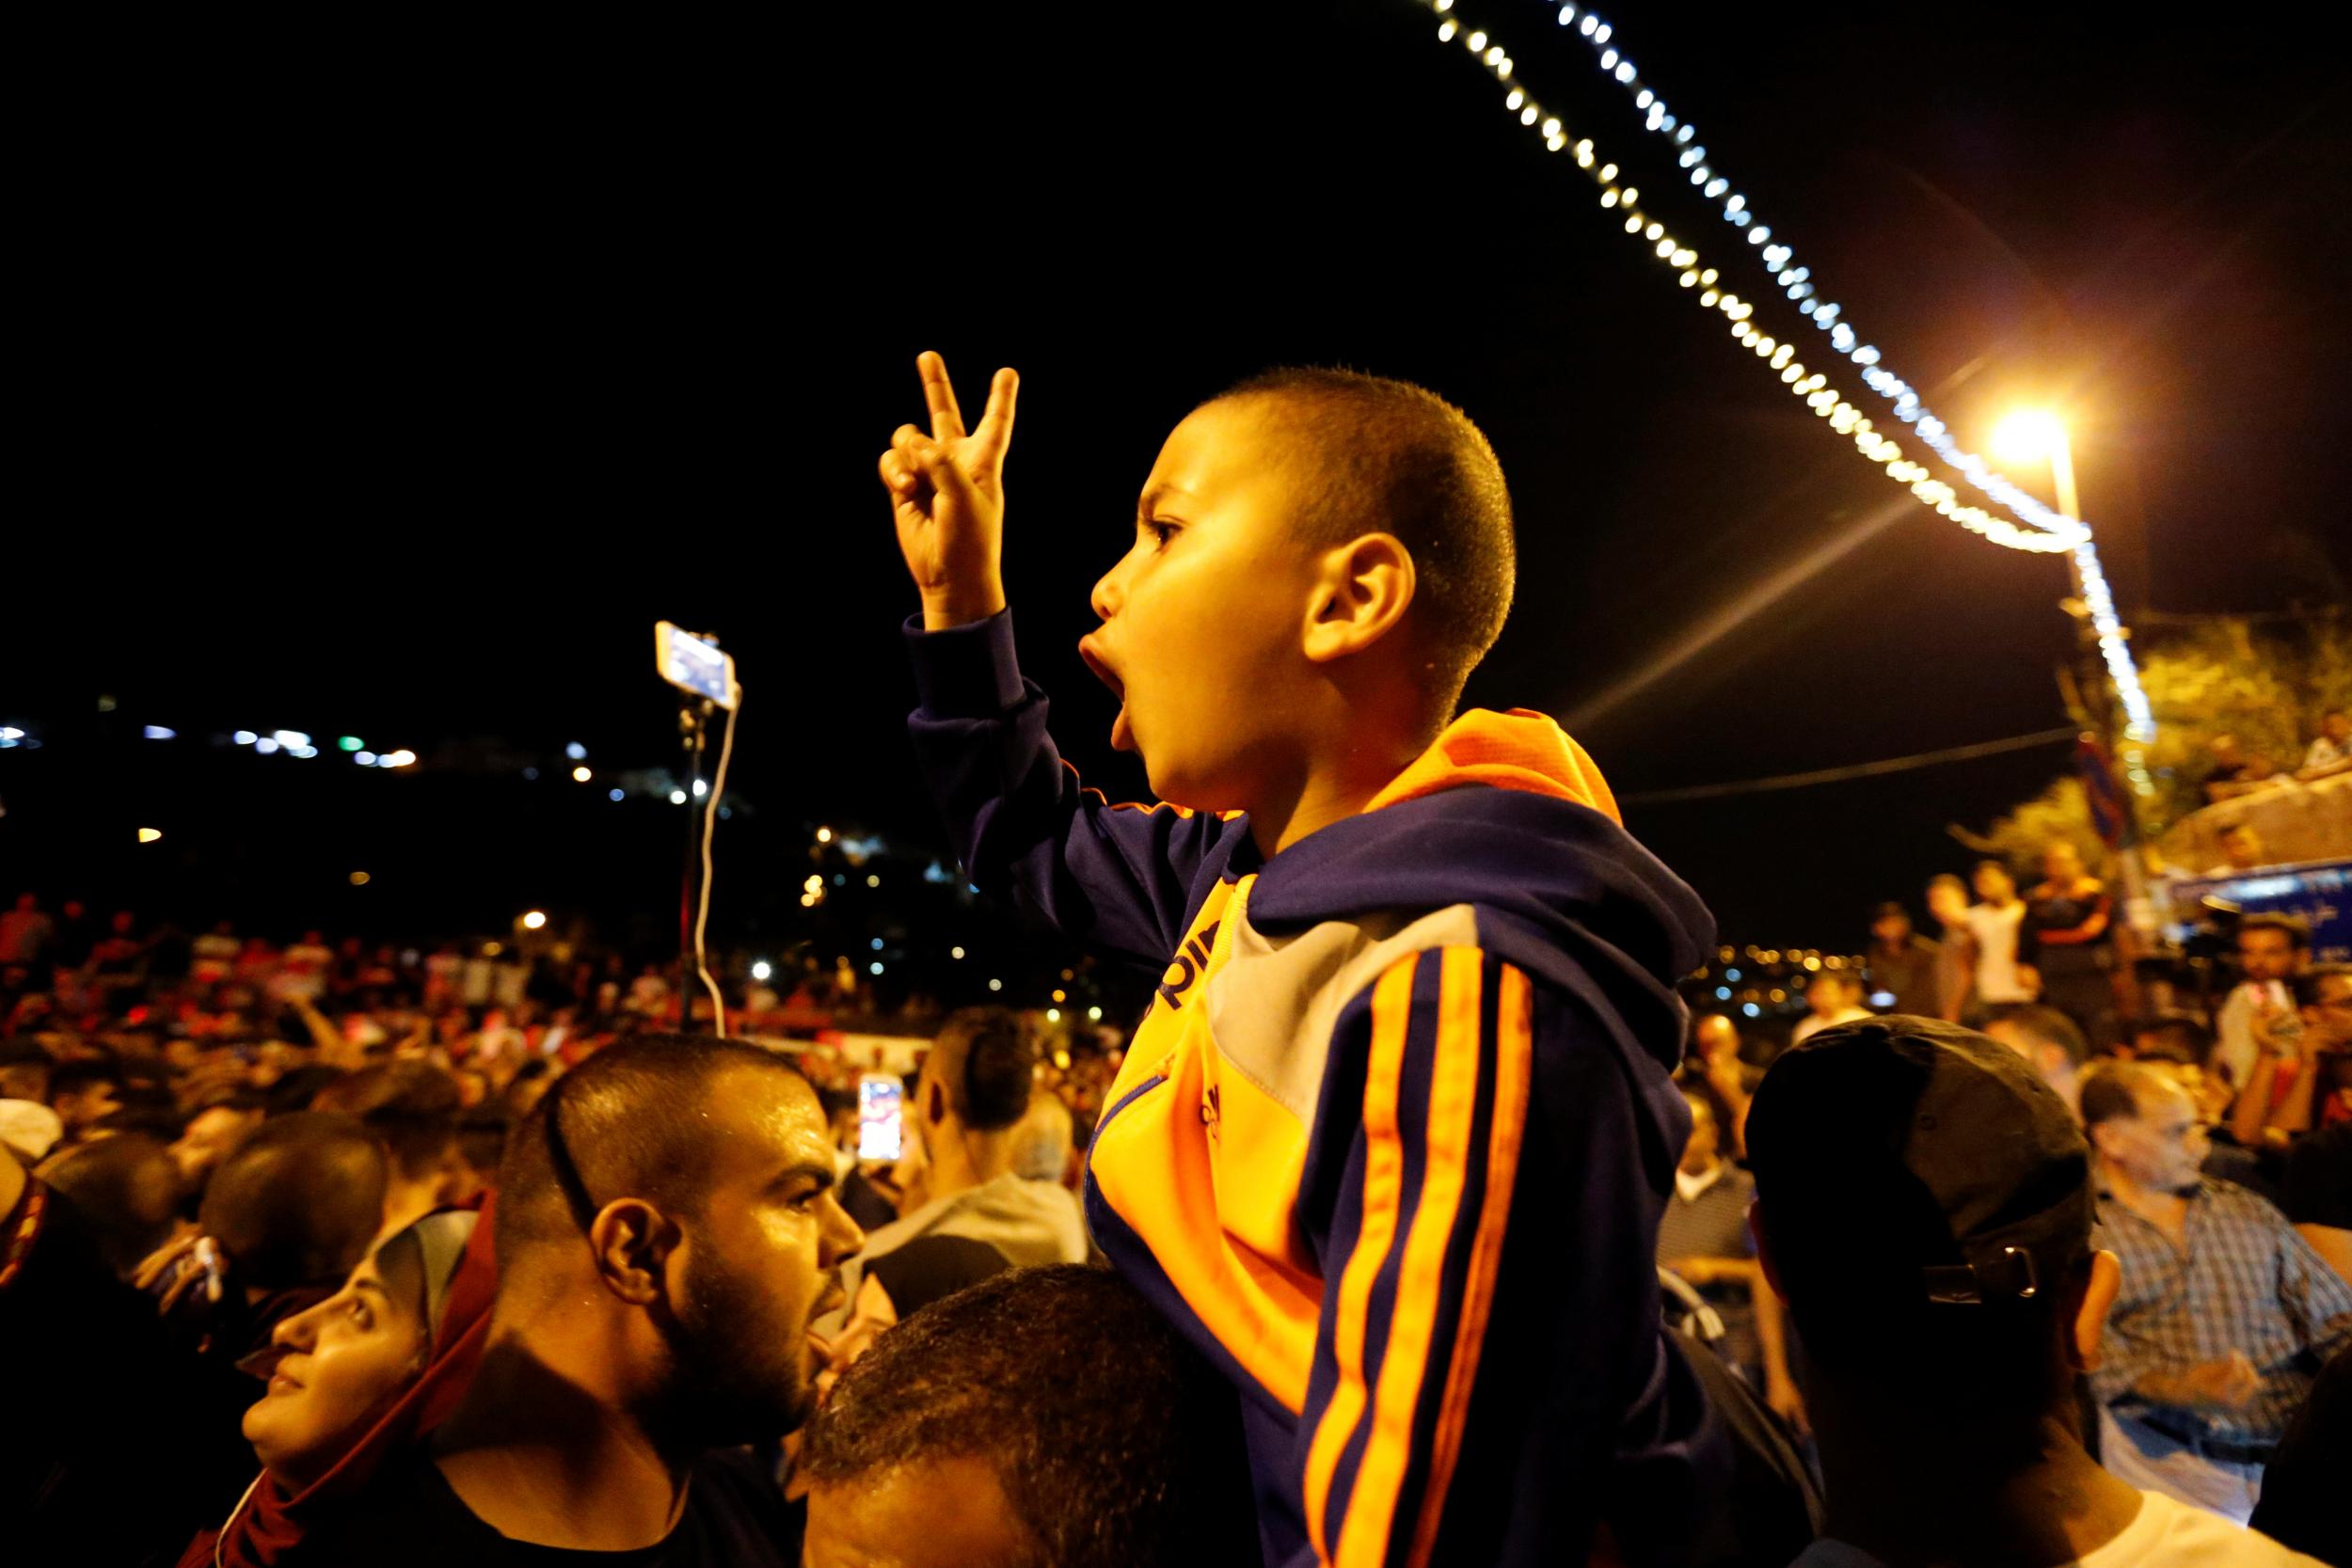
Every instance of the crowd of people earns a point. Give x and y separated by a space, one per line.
1419 1221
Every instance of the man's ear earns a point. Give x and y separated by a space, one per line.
934 1103
1764 1248
1362 589
2101 1138
2100 1282
632 1242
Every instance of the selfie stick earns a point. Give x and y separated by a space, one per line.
693 663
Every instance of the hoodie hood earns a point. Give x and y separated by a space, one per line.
1505 813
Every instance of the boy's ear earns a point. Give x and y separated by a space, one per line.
1361 591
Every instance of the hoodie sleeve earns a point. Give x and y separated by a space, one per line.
1113 876
1490 1315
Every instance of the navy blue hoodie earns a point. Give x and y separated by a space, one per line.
1393 1142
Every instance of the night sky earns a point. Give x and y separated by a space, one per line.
396 383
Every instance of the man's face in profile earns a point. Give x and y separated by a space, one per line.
760 1260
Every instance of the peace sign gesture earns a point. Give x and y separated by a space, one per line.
947 497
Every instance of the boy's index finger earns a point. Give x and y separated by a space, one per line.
940 394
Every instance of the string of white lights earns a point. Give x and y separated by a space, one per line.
1797 282
1825 314
1813 385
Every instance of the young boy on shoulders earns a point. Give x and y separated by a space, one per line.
1393 1142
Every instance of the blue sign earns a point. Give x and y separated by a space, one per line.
2317 892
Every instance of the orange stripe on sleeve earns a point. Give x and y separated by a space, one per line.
1384 1178
1420 1280
1515 1035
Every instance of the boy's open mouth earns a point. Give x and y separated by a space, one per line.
1122 735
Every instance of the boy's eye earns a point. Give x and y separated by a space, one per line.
360 1317
1162 532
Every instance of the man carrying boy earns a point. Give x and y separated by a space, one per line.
1393 1142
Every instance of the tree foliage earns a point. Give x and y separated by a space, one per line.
2265 681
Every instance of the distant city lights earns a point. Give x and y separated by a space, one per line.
762 969
616 794
581 775
873 881
534 919
874 968
1095 1014
264 745
149 835
997 985
158 732
576 752
403 758
291 740
1053 1014
350 743
954 951
702 787
677 797
244 737
360 879
365 759
824 836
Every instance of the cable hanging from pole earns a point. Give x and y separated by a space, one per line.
1858 770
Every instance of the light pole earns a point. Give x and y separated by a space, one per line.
2031 435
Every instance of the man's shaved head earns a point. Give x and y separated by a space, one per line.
627 1122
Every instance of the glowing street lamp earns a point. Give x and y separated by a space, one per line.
2032 435
534 920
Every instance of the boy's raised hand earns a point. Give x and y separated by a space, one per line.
948 497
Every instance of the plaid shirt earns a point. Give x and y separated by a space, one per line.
2244 1281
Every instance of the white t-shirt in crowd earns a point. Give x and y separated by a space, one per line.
1995 931
2234 1046
2164 1534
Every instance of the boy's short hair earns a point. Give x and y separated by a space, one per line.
1115 1444
1396 458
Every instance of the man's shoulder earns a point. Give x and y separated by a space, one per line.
2239 1204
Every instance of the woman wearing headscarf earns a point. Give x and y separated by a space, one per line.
357 1378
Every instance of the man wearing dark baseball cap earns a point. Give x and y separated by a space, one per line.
1924 1204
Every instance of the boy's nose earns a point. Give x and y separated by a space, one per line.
1108 594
